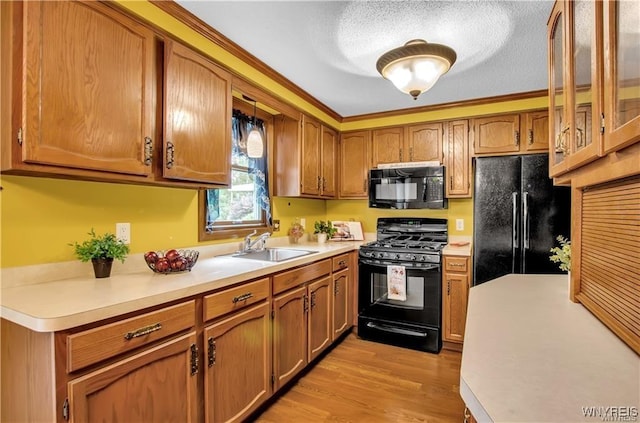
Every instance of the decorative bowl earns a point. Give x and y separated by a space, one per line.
171 261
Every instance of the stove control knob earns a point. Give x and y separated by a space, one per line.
423 258
413 257
380 255
397 256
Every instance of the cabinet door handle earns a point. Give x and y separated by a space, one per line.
451 182
448 286
319 182
336 288
411 154
530 137
401 154
142 331
324 184
170 151
242 297
313 299
305 303
148 151
516 138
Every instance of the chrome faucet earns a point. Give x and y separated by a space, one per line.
247 245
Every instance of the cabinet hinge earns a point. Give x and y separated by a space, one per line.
602 123
194 359
211 353
19 136
65 409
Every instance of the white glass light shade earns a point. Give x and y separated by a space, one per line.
255 145
416 66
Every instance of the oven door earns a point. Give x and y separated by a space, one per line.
423 289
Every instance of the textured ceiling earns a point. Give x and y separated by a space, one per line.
330 48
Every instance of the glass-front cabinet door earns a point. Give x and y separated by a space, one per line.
557 92
621 73
585 17
575 66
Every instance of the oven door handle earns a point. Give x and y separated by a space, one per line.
397 330
407 266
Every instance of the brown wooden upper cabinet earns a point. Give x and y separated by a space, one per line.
319 158
458 162
83 89
197 117
621 74
355 163
414 143
306 159
510 133
574 137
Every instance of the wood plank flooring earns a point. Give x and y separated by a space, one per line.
361 381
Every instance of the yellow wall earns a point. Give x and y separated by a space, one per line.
359 210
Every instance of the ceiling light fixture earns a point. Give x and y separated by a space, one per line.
255 144
416 66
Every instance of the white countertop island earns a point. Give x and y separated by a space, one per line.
531 355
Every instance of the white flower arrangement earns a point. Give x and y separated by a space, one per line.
562 254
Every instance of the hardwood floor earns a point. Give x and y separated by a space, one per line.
361 381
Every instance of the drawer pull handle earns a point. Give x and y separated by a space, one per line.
456 264
142 331
242 297
342 263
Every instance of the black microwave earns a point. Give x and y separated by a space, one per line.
407 188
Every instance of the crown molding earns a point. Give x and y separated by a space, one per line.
454 104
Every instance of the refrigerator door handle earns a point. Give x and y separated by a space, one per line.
525 218
514 230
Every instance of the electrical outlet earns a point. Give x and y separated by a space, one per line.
459 224
276 225
123 232
303 222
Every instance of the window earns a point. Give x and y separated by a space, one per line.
245 206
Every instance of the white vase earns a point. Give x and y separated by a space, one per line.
322 238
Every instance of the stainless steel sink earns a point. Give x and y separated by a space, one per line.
273 254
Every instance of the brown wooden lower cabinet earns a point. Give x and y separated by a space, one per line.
455 287
155 366
156 385
238 364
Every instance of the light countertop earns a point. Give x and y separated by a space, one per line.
531 355
55 305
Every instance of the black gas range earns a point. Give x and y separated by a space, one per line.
412 246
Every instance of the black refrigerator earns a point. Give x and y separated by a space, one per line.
517 215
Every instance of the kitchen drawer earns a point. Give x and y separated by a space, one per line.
232 299
97 344
292 278
340 262
456 264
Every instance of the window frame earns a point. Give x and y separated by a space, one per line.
240 230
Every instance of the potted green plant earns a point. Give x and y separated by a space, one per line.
101 250
323 230
562 254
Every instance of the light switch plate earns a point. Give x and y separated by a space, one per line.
459 224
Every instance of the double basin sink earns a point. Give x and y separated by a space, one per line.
273 254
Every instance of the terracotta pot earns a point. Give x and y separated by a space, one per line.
102 267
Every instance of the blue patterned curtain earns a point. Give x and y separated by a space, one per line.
241 125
